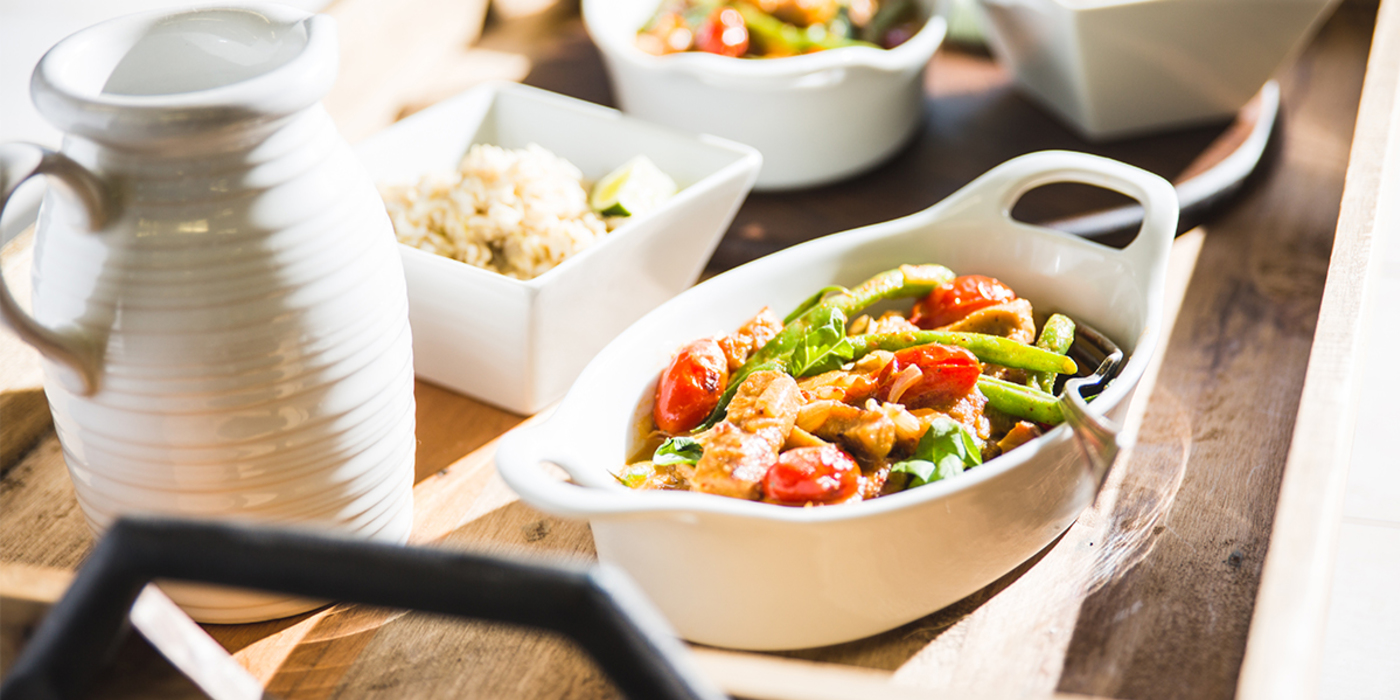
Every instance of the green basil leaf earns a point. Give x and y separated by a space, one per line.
832 358
946 449
678 450
824 347
920 471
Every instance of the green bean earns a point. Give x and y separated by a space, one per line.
1020 401
823 325
988 348
907 281
775 35
813 300
1057 335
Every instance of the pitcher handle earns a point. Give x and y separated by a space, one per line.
18 163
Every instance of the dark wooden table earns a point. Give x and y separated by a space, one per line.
974 119
1149 595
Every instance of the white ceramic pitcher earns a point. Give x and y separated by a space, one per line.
222 311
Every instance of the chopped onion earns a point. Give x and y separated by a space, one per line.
812 415
907 377
906 426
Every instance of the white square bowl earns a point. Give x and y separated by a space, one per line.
1114 68
519 344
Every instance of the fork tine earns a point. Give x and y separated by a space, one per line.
1099 438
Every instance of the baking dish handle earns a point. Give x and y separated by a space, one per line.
994 194
519 457
992 197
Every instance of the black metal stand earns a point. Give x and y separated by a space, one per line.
597 606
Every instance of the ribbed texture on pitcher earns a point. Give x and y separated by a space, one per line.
258 360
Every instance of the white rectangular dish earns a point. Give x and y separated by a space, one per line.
1117 68
519 344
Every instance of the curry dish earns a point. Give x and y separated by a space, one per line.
821 408
777 28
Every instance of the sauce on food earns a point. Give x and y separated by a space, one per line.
821 408
778 28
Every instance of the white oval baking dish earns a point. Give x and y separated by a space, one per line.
750 575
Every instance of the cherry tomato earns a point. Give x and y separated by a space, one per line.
803 475
947 373
723 33
690 386
952 302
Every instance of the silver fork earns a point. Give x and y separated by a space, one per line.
1099 438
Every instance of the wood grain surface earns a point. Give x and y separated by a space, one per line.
1149 595
24 414
974 118
1290 617
382 43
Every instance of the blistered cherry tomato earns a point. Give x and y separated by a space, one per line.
803 475
952 302
947 373
723 33
690 386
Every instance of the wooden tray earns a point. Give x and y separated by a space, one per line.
1151 594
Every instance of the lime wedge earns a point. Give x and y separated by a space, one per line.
636 187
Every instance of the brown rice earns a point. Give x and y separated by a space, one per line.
519 212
